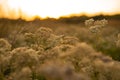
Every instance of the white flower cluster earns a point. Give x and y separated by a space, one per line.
39 38
89 22
102 23
96 26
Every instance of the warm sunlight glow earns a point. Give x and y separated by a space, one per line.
57 8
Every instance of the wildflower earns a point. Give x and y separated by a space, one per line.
63 48
54 41
82 50
104 22
38 48
4 46
79 53
95 29
101 23
96 26
29 38
70 40
60 50
89 22
43 32
23 57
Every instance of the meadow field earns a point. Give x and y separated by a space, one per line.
76 48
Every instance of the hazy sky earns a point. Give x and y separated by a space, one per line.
56 8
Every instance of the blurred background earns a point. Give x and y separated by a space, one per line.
56 13
30 9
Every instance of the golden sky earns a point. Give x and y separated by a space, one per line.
26 9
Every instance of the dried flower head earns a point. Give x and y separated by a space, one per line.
23 57
4 46
63 48
70 40
43 32
29 38
54 40
60 50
